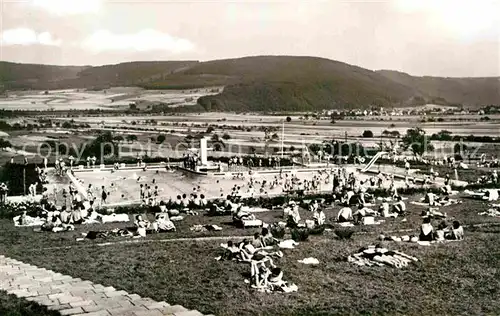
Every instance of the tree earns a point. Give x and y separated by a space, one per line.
160 139
118 138
416 140
395 134
288 119
67 125
367 134
103 145
210 130
292 148
252 150
215 138
275 136
444 135
226 136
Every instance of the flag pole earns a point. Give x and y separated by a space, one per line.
282 136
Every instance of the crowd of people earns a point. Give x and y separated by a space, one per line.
358 200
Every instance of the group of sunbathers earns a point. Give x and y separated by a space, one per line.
259 253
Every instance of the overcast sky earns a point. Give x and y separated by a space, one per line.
420 37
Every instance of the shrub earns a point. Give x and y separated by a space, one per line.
161 138
368 134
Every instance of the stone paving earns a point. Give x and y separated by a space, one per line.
74 296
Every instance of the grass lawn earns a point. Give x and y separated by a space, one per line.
451 278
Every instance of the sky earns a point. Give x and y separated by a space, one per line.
452 38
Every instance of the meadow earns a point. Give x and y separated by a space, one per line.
450 278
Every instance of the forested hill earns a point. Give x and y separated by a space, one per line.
467 91
264 83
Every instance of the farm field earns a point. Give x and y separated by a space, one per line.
109 99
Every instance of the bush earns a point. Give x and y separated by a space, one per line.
161 138
300 234
368 134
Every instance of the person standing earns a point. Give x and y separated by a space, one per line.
104 196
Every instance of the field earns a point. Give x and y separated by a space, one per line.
109 99
245 132
450 278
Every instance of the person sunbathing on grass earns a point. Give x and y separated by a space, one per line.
240 216
314 206
195 202
257 241
292 214
456 232
400 206
430 198
348 198
260 277
319 217
433 213
203 201
344 215
65 215
178 202
393 191
76 216
275 279
163 223
426 230
268 238
385 211
142 225
249 253
230 252
361 212
185 201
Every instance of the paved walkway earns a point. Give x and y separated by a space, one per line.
73 296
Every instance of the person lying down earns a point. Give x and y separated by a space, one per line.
271 280
247 251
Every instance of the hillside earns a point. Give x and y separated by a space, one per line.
466 91
283 83
44 77
24 76
264 83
